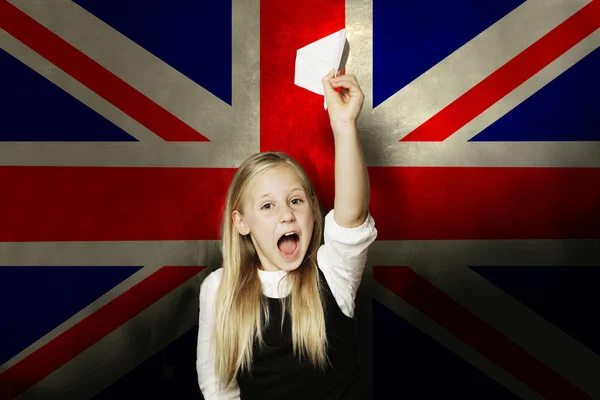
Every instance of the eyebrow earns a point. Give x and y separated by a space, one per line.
292 191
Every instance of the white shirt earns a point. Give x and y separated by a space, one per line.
342 260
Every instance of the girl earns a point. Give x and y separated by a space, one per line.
277 320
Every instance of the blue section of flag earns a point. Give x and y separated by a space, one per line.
407 364
566 109
409 37
38 299
36 110
194 37
567 297
168 374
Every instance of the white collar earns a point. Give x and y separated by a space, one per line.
270 283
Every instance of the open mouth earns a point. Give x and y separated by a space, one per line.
289 245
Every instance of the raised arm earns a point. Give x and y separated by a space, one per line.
351 204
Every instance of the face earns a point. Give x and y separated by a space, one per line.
278 216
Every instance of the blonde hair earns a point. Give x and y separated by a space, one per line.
241 309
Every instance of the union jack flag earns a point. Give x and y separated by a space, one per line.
123 123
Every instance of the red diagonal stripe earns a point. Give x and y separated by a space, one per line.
111 203
440 307
508 77
87 332
94 76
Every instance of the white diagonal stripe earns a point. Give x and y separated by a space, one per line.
127 60
151 255
451 342
446 265
559 351
529 88
382 128
233 130
76 89
473 62
152 329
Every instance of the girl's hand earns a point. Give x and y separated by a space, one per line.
344 106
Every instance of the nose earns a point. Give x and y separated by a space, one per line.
287 214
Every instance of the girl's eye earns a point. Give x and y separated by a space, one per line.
296 201
266 206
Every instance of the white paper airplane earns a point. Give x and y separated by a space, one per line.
315 61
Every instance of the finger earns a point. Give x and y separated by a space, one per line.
327 81
342 83
349 84
345 92
347 77
330 75
331 96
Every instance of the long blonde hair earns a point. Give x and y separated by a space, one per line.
241 309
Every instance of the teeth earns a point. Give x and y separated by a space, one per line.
289 233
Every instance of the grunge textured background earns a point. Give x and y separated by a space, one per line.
122 124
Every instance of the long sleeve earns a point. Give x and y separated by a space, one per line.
342 258
205 355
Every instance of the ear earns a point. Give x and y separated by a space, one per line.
239 223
